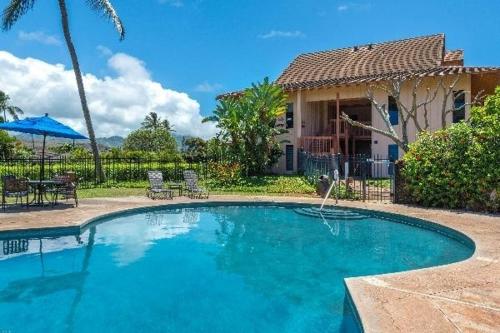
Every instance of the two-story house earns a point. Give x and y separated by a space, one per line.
323 85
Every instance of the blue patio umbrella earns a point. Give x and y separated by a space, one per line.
45 126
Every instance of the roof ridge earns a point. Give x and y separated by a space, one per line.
373 44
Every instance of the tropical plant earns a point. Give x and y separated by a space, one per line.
6 108
247 124
457 167
17 8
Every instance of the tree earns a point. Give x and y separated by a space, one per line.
247 124
153 137
158 141
194 149
17 8
410 112
153 121
6 108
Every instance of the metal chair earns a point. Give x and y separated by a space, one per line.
157 188
193 190
66 187
17 188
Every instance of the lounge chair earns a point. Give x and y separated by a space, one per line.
194 191
18 188
156 187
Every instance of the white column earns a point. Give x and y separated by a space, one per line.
297 125
299 107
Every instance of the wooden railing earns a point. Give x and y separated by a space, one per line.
351 130
319 144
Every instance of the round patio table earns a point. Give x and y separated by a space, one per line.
40 190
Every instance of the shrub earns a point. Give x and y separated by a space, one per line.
458 167
224 173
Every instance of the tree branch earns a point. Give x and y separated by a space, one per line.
388 134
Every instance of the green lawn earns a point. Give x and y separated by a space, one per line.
274 185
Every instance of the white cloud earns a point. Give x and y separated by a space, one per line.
206 87
39 37
283 34
117 103
104 51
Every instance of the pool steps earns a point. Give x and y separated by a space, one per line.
330 213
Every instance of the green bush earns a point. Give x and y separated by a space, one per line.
458 167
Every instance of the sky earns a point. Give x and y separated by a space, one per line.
178 55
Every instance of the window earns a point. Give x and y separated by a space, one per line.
393 152
289 157
289 115
458 106
393 111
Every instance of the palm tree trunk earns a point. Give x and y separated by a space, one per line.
81 90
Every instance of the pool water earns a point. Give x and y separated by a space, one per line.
219 268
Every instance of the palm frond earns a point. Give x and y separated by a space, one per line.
106 8
14 111
14 10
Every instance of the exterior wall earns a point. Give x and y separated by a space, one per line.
379 143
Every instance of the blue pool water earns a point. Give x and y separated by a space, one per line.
218 268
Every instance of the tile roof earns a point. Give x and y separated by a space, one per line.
455 55
342 65
418 56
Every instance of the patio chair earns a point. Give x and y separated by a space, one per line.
17 188
66 187
156 187
194 191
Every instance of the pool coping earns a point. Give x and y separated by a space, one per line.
462 296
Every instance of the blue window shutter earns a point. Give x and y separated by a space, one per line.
458 103
393 111
393 152
289 157
289 115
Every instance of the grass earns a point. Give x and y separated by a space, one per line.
265 185
274 185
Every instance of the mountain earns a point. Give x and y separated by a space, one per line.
105 142
111 142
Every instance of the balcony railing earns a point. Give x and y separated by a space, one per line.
355 131
318 145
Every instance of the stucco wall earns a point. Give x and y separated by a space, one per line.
379 143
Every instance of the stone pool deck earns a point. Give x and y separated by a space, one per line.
460 297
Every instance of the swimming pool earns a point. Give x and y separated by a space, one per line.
209 268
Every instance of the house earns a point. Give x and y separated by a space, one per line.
323 85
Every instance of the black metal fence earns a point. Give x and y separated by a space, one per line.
117 170
360 177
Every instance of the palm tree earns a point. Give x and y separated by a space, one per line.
153 121
5 108
17 8
167 126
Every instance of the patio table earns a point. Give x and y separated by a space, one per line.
176 186
40 190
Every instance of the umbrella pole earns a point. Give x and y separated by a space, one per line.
42 167
42 172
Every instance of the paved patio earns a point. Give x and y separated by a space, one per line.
461 297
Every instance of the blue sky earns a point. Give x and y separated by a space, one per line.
204 47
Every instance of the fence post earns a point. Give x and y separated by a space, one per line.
363 178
